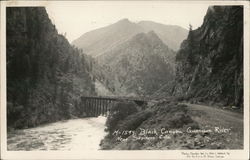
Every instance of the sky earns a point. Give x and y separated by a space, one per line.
78 17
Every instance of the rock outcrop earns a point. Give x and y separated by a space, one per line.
210 61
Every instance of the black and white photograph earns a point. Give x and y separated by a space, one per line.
125 76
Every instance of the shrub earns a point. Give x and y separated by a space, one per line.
132 122
119 112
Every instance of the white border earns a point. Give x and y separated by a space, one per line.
148 154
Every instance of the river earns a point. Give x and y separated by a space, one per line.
74 134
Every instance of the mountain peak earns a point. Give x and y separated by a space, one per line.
98 41
152 33
124 20
150 38
154 37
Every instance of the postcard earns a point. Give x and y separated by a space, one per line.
124 80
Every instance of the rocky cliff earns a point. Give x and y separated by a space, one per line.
45 75
210 61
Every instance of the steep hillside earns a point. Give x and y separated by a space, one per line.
210 61
45 75
138 66
171 35
169 125
102 40
102 90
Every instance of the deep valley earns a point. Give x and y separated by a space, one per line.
148 75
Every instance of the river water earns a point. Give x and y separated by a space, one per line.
75 134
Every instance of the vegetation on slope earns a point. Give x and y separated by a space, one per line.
168 124
209 69
137 67
210 61
45 75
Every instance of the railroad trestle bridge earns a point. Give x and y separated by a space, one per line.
94 106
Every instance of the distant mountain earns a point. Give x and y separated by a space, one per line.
139 66
210 61
102 40
171 35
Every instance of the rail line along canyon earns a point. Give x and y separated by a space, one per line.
128 85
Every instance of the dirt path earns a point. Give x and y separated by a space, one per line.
193 127
211 117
